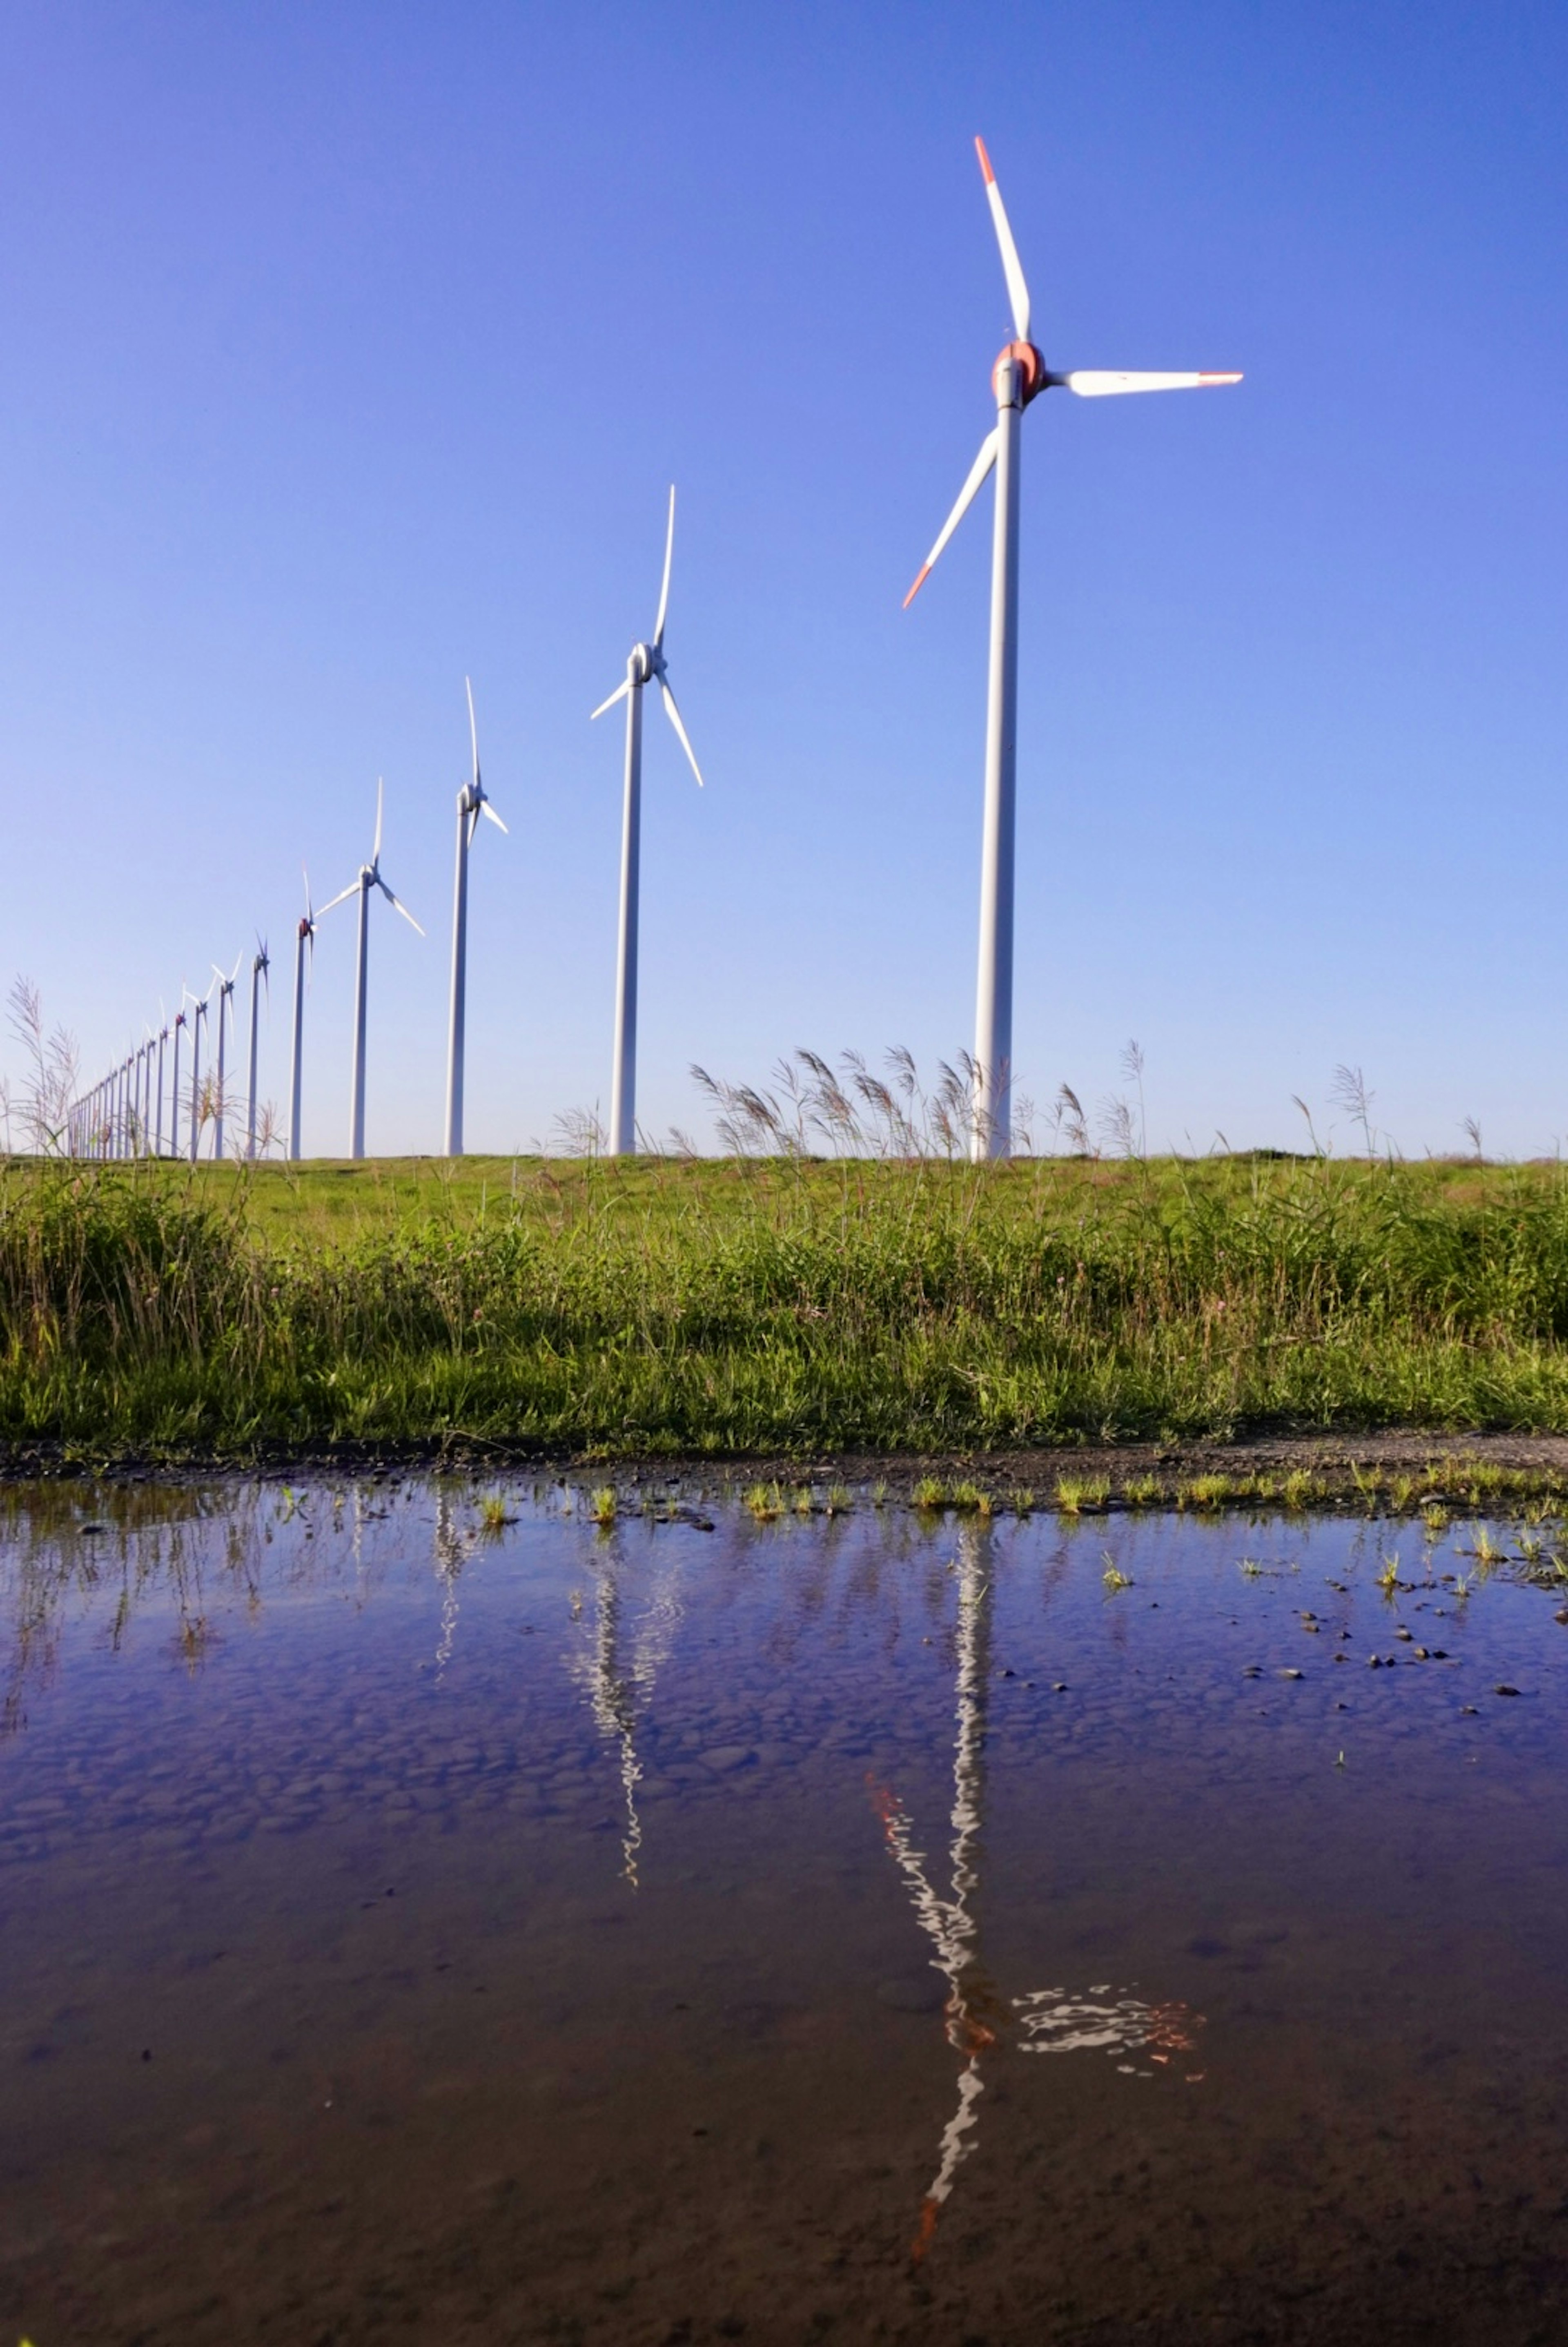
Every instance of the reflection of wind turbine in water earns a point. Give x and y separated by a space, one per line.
976 2016
452 1550
617 1695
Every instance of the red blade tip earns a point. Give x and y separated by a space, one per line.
985 162
919 582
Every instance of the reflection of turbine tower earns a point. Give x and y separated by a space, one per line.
975 2016
452 1548
616 1695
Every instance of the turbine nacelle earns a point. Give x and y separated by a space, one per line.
1032 376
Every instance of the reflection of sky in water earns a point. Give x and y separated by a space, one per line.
1093 1819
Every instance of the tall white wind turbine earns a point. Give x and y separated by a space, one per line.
1018 375
370 877
260 966
473 801
305 935
645 662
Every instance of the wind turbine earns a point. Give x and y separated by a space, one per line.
370 877
305 935
646 661
199 1004
473 801
1018 375
157 1122
174 1087
226 984
260 966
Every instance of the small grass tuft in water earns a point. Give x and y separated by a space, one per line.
1021 1500
840 1499
602 1504
1142 1490
1113 1576
494 1515
765 1502
1205 1492
1076 1493
930 1492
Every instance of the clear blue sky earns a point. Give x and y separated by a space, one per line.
345 350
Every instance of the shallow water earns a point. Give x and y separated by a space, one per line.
850 1928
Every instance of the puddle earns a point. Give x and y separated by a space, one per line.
849 1928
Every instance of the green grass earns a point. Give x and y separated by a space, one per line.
757 1306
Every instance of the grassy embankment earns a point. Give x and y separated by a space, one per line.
746 1306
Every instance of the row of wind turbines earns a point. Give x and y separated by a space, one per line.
124 1114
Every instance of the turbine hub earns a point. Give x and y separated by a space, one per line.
645 664
1032 377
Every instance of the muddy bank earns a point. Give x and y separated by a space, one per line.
1343 1466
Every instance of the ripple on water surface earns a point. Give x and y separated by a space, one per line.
414 1922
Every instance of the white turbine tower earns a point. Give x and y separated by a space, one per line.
646 661
305 935
226 984
260 966
473 801
370 877
1018 375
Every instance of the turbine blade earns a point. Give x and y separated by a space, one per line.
473 727
397 903
664 590
341 897
309 915
1017 291
486 808
380 794
966 497
1106 383
619 694
673 713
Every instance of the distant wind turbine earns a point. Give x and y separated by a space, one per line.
370 877
645 662
1018 375
473 801
227 980
198 1008
174 1087
305 935
260 966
